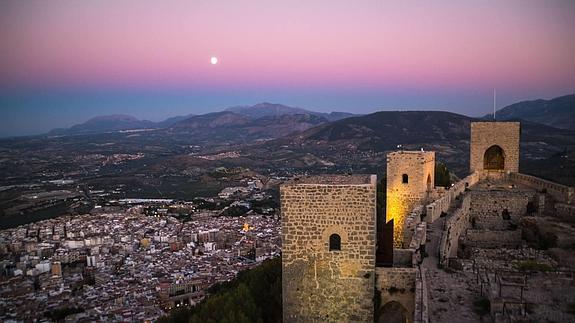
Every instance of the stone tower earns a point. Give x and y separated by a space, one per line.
328 248
494 146
410 177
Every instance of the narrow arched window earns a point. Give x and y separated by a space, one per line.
334 242
404 179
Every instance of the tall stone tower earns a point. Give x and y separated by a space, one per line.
328 248
410 177
494 146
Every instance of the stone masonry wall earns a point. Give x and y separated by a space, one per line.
318 284
487 207
402 197
410 224
435 208
455 226
493 239
399 285
560 192
486 134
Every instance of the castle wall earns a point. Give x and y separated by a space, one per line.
434 209
399 285
493 239
560 192
455 226
411 222
487 207
482 210
486 134
403 197
318 284
421 313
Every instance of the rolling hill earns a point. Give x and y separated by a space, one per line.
360 142
558 112
112 123
229 126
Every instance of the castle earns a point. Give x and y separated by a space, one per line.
341 262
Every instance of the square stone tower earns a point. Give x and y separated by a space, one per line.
328 248
410 177
494 146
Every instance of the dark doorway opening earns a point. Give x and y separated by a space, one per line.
494 158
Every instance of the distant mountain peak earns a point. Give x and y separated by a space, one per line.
111 123
267 109
115 117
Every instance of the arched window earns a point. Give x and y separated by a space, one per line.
404 179
334 242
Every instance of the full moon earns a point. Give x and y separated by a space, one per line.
214 60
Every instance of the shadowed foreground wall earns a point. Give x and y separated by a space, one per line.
318 284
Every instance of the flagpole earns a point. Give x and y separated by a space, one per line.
494 102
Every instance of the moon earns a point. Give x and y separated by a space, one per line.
214 60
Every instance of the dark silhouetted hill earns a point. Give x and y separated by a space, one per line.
234 127
362 142
558 112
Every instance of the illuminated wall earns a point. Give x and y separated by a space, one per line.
410 175
321 281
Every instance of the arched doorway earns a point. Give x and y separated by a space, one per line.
392 312
494 158
429 184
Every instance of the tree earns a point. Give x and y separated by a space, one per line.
442 175
254 296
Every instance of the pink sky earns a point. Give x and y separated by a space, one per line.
64 61
521 44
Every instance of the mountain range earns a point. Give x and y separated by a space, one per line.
266 113
272 109
276 140
558 112
115 122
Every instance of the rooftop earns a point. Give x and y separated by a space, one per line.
352 179
411 152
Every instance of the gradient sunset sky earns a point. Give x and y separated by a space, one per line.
62 62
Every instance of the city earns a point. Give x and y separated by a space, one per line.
133 265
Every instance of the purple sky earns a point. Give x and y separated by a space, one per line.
62 62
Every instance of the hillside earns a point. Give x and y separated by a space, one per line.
558 112
280 117
111 123
104 124
361 143
266 109
253 296
227 126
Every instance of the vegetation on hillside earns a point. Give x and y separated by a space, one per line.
254 296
